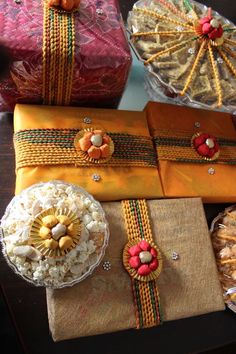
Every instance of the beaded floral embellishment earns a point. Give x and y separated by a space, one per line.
94 145
206 146
142 260
55 232
66 5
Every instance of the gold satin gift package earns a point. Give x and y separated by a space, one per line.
53 143
196 151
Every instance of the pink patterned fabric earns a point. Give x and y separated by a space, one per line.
102 55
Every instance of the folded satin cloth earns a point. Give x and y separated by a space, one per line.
196 152
55 143
188 284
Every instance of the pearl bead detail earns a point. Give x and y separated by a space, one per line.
214 23
58 231
145 257
210 143
96 140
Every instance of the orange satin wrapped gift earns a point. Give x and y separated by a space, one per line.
196 152
52 143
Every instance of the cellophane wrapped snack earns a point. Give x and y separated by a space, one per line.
223 233
188 50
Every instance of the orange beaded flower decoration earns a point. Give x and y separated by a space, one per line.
67 5
94 145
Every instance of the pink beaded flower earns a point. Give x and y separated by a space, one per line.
210 27
143 258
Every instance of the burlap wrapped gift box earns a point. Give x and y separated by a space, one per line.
79 58
183 172
188 286
44 144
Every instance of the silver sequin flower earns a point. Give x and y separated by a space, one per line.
99 11
175 256
18 2
106 265
87 120
179 28
219 60
96 177
197 124
191 50
211 171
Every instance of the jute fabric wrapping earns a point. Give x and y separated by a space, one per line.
188 286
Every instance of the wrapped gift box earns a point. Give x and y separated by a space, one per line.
196 151
79 58
46 149
188 284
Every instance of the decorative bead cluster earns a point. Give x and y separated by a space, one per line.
106 265
210 27
67 5
96 178
206 145
175 256
58 232
87 120
143 258
96 144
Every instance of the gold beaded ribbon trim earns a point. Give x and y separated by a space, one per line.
178 147
145 293
58 56
56 147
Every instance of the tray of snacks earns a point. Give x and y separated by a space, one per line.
188 51
223 235
54 234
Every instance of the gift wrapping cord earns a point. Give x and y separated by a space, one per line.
58 56
36 147
174 146
146 295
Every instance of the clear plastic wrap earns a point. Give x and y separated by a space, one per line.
50 271
175 75
223 235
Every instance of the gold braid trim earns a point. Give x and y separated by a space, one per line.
58 56
145 293
216 75
162 17
190 77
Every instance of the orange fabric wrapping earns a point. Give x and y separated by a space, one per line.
213 181
124 176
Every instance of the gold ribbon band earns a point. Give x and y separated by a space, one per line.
36 147
178 147
58 56
146 296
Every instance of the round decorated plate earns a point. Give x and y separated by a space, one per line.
54 234
223 235
189 51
